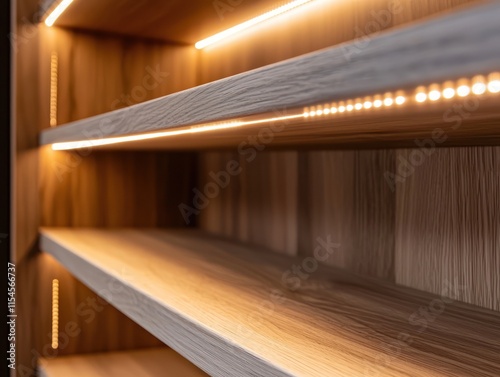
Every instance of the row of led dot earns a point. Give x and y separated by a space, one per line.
462 88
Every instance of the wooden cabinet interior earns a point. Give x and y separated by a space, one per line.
420 218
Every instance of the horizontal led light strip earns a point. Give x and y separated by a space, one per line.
479 85
154 135
247 24
53 16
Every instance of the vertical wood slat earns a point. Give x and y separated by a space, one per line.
345 194
440 227
259 204
448 225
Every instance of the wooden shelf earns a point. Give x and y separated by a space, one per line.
233 310
152 362
462 44
172 21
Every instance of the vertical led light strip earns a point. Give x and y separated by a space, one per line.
49 21
247 24
55 313
53 89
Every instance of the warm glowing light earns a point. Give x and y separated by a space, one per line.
479 85
400 100
479 88
421 95
449 92
463 91
153 135
247 24
49 21
494 86
434 95
494 83
53 89
463 88
55 313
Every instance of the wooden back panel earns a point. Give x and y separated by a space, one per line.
96 74
393 211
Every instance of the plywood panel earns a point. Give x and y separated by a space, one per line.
448 222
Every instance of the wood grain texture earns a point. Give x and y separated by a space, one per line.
115 189
320 24
284 201
258 205
344 195
172 21
85 187
26 209
448 223
446 48
332 323
98 73
145 363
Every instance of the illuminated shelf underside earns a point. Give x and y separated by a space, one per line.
226 307
427 54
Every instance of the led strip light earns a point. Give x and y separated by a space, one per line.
53 89
55 313
247 24
54 15
479 85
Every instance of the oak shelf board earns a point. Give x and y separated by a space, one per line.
151 362
460 44
173 21
209 299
